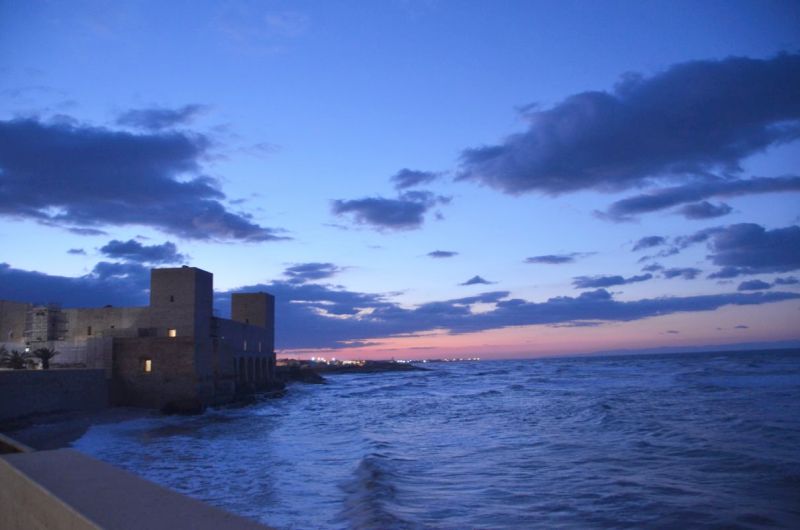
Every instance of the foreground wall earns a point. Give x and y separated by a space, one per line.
26 392
64 489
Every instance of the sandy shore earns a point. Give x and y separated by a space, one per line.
59 430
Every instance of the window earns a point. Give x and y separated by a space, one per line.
88 330
171 298
147 365
172 332
259 346
244 346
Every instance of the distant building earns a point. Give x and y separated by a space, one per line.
172 351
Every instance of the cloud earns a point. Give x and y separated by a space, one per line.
594 282
789 280
132 250
649 242
83 178
705 210
156 119
741 326
753 285
665 198
409 178
77 251
108 283
407 212
725 273
476 280
653 267
557 259
749 248
81 231
690 120
311 315
687 273
305 272
442 254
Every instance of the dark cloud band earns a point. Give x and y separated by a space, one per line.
83 178
693 119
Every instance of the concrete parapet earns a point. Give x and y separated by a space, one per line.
66 490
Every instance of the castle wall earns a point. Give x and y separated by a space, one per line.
192 355
172 376
12 323
26 392
87 323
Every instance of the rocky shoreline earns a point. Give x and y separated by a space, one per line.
60 430
311 372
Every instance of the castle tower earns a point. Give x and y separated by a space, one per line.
181 301
256 309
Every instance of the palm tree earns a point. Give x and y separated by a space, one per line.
15 359
44 355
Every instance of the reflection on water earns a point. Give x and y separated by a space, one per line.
701 441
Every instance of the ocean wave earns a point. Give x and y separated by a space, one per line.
368 494
682 441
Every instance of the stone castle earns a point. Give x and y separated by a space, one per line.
170 353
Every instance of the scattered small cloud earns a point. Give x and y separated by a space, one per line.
134 251
649 242
741 326
661 199
157 119
595 282
476 280
442 254
653 267
705 210
687 273
86 231
789 280
749 248
557 259
753 285
410 178
77 251
407 212
305 272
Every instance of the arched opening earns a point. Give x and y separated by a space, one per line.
242 370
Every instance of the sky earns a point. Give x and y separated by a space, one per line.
414 178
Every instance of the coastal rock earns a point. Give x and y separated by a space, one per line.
184 407
301 374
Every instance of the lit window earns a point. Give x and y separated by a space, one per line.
172 332
147 365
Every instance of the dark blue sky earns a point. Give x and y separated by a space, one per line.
513 178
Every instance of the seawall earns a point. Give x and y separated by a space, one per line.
27 392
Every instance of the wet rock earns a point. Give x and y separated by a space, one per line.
186 407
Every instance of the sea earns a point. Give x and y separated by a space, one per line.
706 440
